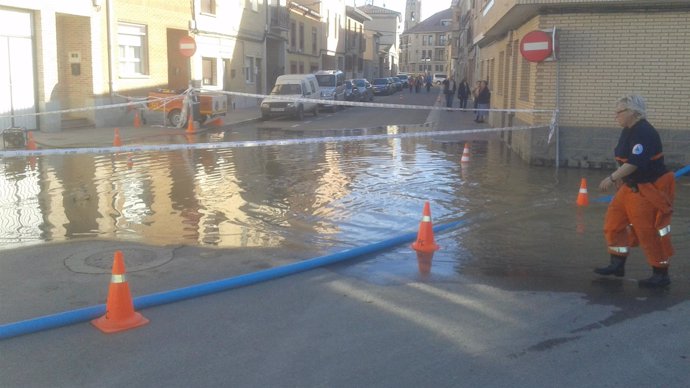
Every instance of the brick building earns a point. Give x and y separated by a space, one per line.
605 49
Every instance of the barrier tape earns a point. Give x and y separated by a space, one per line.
144 101
372 104
249 143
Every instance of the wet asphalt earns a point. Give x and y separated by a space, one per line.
499 322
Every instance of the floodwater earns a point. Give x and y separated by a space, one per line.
519 224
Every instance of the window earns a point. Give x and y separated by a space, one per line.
301 67
208 6
249 70
208 71
431 40
293 67
132 49
301 36
314 40
293 35
442 40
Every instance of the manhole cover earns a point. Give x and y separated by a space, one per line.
101 261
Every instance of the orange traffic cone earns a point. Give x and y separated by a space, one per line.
137 120
466 154
119 309
425 237
130 161
582 198
116 139
31 144
190 124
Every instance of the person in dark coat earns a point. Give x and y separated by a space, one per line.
463 93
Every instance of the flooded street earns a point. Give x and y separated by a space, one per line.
520 225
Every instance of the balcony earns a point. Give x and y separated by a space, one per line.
280 19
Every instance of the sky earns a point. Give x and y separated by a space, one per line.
429 7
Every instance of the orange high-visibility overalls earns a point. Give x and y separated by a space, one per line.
642 217
640 212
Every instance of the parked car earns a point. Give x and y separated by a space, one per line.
332 86
382 86
351 91
398 83
366 91
404 78
438 78
297 86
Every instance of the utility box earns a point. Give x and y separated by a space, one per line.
14 138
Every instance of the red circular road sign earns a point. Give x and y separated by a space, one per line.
536 46
187 46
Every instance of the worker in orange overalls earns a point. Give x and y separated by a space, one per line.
641 209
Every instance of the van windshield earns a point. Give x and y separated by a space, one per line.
326 80
285 89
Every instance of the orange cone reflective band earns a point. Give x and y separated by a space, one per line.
119 309
466 154
425 237
116 139
582 198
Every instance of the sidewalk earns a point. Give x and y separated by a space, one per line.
103 137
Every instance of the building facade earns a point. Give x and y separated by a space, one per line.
604 50
388 24
424 46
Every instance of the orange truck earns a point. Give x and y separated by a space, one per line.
170 102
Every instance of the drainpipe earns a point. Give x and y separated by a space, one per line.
109 10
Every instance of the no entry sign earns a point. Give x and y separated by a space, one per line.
187 46
536 46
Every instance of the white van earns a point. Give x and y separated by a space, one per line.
332 86
438 78
296 87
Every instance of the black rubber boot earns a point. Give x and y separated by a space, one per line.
616 268
658 279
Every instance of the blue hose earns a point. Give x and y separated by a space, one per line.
677 174
46 322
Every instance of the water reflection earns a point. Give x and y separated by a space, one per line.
299 195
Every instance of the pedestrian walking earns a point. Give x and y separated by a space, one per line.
429 80
463 93
449 90
640 212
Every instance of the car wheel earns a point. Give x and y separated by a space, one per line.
265 117
175 117
316 111
300 113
